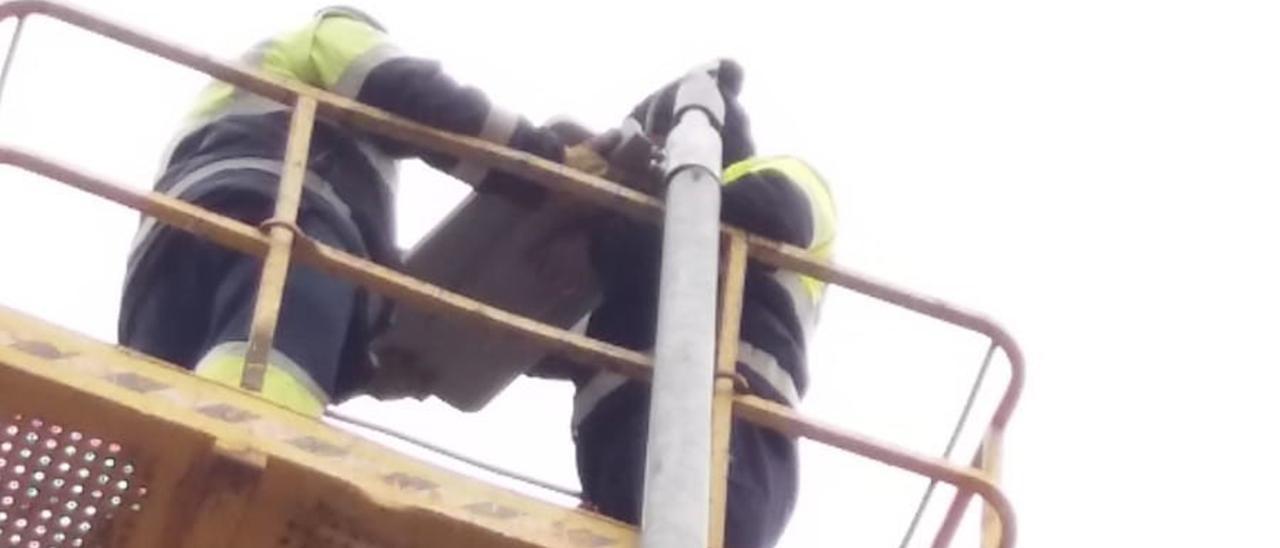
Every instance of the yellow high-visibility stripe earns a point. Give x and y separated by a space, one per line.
285 383
337 43
318 54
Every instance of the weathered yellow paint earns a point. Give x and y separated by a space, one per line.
733 277
220 463
275 267
992 447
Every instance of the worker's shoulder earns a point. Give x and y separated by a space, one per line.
348 14
329 26
796 173
791 166
343 25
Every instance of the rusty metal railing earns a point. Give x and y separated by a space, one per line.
282 243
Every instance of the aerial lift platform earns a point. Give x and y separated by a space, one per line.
102 446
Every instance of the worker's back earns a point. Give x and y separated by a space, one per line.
230 129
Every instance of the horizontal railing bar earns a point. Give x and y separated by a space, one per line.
426 297
551 175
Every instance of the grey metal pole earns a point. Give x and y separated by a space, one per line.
677 494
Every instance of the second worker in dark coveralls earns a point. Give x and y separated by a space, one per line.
780 198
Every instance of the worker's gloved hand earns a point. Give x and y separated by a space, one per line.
568 130
655 113
581 152
623 155
589 156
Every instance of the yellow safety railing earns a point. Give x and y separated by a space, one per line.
280 242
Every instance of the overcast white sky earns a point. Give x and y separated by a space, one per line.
1099 175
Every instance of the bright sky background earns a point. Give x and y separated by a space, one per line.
1098 175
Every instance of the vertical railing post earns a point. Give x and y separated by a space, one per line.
986 459
992 451
955 512
732 282
275 268
676 512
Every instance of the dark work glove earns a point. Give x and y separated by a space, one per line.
631 156
655 113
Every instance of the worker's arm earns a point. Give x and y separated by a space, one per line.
768 203
355 59
781 198
778 198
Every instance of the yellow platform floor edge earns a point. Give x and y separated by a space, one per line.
100 446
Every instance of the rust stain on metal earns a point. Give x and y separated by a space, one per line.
403 481
493 510
584 537
226 413
236 472
41 349
136 382
317 446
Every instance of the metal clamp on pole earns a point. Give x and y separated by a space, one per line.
676 512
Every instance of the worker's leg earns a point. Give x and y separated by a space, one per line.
762 474
167 304
315 315
196 308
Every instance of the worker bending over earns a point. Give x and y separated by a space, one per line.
780 198
190 301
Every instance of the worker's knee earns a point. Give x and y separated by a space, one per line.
610 443
762 479
284 382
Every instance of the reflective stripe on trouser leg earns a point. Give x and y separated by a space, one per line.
767 368
286 384
590 395
194 186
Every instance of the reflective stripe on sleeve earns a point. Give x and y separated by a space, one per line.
498 128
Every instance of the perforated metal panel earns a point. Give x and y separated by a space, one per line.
62 487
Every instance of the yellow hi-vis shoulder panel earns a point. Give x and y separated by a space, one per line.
320 54
821 203
340 45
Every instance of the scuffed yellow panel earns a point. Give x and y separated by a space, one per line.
193 463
